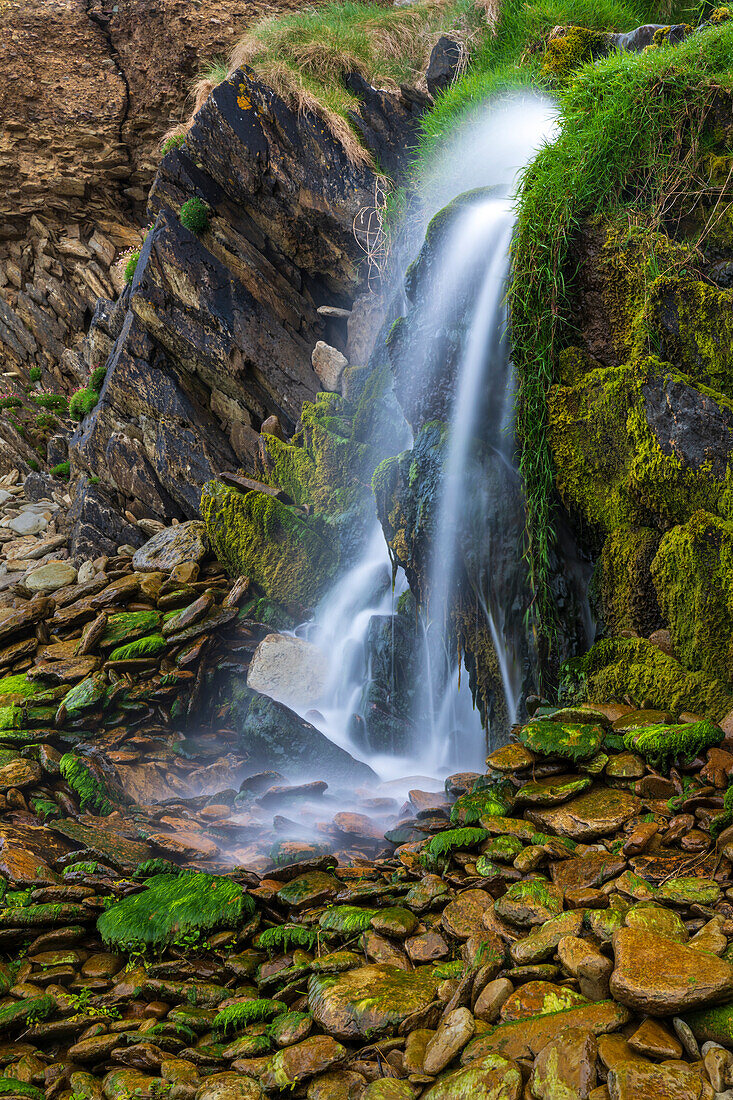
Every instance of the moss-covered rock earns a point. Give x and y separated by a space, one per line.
693 576
172 906
286 552
570 47
624 588
620 668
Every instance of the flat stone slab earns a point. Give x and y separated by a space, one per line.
657 976
597 813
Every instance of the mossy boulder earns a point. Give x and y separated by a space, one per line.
369 1002
286 552
620 668
570 47
172 906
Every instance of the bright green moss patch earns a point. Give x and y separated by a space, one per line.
195 214
89 787
85 695
284 937
150 646
617 668
172 906
572 742
286 552
127 626
346 919
16 688
442 844
661 745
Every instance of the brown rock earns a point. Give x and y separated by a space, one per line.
600 812
655 1041
566 1066
462 917
586 963
662 978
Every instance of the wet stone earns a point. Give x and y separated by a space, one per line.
539 999
529 903
597 813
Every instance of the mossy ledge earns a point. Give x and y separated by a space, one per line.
284 551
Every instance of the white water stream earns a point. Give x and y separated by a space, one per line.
489 151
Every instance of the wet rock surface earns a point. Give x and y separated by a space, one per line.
177 917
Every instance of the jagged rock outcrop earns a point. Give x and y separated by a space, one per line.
215 332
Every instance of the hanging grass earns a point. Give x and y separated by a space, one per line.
347 919
173 906
283 937
632 137
238 1016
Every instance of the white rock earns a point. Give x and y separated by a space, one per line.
50 577
289 670
329 364
5 496
86 572
28 523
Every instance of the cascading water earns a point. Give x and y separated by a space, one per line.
462 320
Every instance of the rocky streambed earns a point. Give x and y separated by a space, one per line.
178 920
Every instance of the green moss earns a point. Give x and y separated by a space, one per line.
34 1008
236 1017
85 695
284 937
568 740
574 46
621 668
627 596
173 142
97 377
346 919
287 553
10 1086
693 576
723 820
126 626
62 470
444 843
630 124
158 866
712 1024
172 906
91 790
488 801
195 215
660 745
149 646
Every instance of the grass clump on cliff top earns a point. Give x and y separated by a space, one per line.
305 55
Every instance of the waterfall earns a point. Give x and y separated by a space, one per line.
444 731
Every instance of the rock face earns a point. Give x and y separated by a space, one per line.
214 335
79 151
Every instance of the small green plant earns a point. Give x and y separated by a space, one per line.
94 480
33 464
55 401
175 141
97 377
195 214
82 402
63 470
131 266
35 374
10 403
442 844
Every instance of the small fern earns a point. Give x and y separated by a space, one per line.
347 919
238 1016
286 936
